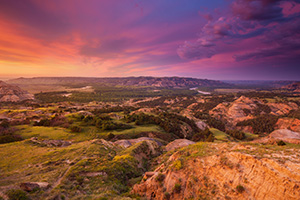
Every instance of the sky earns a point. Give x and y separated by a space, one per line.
214 39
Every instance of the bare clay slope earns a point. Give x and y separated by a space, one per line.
12 93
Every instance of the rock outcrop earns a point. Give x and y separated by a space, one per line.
292 124
30 186
12 93
282 108
280 134
130 142
245 108
235 111
226 174
178 144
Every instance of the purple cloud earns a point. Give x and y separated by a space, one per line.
196 50
257 9
261 22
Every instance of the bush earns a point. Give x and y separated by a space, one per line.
75 129
210 138
177 188
203 135
9 138
17 195
110 136
167 196
4 124
280 143
8 135
236 134
177 164
240 189
160 177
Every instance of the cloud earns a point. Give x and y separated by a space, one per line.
282 41
196 50
257 9
260 22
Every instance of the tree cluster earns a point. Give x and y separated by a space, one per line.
211 121
261 124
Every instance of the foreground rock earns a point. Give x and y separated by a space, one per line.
12 93
223 173
178 144
30 186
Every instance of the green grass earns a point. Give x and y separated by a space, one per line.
251 136
24 161
58 133
220 135
136 130
42 132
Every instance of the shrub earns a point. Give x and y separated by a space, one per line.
4 124
7 138
210 138
236 134
167 196
75 129
17 195
110 136
160 177
177 188
177 164
240 189
280 143
203 135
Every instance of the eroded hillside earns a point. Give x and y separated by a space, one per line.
225 171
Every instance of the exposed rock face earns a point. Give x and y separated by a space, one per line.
12 93
201 124
288 123
225 175
235 111
281 134
128 143
245 108
30 186
282 108
178 144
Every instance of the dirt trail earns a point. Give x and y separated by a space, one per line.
58 181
